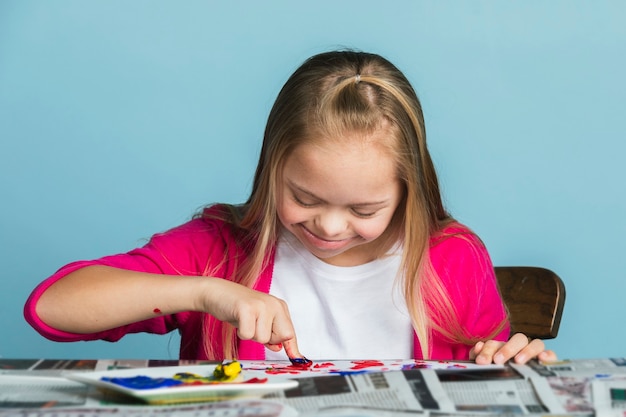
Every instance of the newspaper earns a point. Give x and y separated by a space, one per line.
37 388
577 383
609 396
409 391
484 390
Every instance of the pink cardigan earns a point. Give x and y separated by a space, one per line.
461 262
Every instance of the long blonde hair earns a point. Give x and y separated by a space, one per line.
333 93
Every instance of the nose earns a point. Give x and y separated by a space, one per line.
331 224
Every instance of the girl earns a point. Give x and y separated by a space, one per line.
344 238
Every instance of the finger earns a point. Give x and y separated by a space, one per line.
547 356
264 320
295 357
488 352
476 350
533 349
281 326
292 350
516 347
246 326
274 347
250 319
264 328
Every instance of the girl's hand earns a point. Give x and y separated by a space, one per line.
519 348
256 315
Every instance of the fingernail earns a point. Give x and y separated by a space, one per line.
498 358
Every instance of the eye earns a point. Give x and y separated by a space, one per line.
302 203
363 214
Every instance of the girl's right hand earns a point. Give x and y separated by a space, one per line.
257 316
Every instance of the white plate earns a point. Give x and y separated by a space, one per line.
183 393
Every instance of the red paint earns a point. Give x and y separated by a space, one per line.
156 311
297 366
366 364
282 371
255 381
301 364
324 365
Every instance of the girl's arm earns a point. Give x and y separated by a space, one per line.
97 298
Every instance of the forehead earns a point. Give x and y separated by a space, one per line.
377 144
353 168
382 140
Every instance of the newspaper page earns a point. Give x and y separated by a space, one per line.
594 368
407 391
571 380
499 391
609 397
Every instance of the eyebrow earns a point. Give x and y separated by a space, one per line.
381 203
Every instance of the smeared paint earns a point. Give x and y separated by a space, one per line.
143 382
408 367
289 369
324 365
366 364
298 365
348 373
419 364
303 365
223 373
255 381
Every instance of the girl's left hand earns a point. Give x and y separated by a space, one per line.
519 348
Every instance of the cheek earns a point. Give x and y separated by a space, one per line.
288 214
370 230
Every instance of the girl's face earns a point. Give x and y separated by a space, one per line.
338 198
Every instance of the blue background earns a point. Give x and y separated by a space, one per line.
120 119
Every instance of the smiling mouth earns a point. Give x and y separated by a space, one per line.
322 243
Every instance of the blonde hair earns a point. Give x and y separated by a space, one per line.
331 94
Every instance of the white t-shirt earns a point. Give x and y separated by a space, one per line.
354 312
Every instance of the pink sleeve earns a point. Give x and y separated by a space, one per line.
465 268
184 250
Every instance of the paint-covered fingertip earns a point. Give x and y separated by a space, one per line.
301 362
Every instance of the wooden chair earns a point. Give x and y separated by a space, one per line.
534 297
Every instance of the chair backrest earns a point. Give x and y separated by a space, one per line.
534 297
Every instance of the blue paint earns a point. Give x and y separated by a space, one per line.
301 362
348 373
144 382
